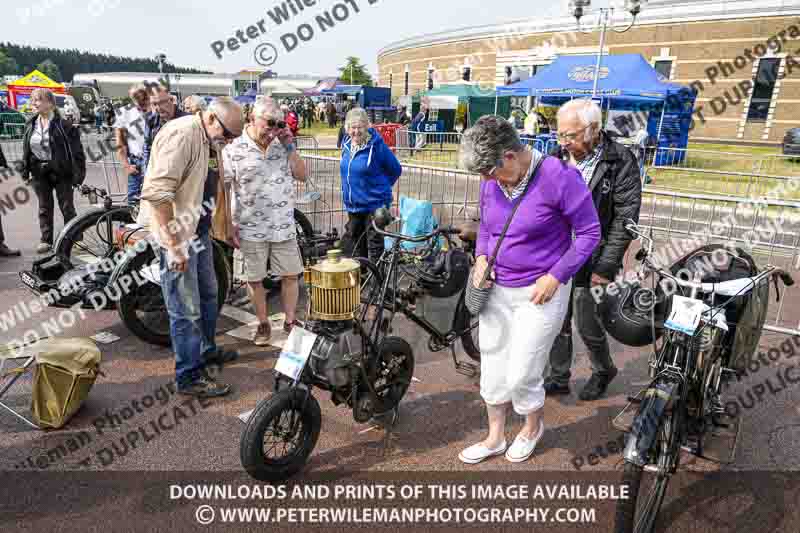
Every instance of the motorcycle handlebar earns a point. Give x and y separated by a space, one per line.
87 189
447 230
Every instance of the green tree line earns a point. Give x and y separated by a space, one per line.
62 65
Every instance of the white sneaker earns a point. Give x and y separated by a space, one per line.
43 248
478 452
522 447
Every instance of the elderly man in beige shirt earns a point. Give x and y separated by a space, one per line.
172 203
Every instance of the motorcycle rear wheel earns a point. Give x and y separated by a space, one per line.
142 308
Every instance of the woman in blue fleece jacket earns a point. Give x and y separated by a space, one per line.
369 171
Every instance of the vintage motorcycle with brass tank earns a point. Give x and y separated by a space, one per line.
364 371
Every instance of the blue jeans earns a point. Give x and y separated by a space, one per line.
191 299
135 181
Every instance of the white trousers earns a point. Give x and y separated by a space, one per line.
515 338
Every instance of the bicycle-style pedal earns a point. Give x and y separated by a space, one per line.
463 367
467 369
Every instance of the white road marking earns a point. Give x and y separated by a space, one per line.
238 314
250 321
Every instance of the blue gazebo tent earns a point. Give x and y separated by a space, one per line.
348 90
627 82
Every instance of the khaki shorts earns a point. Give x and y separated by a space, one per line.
284 258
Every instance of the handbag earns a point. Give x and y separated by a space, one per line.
475 298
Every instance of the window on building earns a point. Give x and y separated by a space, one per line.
509 71
664 67
430 79
405 85
763 86
466 73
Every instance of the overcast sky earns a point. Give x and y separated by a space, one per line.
184 30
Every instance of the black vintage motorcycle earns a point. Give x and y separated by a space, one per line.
701 321
345 347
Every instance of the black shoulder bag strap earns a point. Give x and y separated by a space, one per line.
528 185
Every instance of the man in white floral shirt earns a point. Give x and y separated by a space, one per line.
260 168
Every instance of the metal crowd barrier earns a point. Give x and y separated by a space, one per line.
12 126
441 149
305 142
453 193
722 161
770 230
741 184
680 221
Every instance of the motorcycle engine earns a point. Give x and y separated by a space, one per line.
332 358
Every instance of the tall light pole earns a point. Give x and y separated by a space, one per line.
606 17
160 59
178 86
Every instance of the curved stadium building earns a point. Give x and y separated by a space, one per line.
742 56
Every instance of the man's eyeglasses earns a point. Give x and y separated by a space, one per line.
229 136
280 124
571 136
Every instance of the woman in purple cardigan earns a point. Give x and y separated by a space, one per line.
532 274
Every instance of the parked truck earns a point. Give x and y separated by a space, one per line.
87 97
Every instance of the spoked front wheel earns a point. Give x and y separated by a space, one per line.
280 435
142 309
639 512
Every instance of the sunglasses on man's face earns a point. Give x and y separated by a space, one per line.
229 136
280 124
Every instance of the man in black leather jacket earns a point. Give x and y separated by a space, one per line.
612 174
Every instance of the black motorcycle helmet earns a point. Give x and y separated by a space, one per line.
447 275
630 313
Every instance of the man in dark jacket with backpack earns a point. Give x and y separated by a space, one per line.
612 174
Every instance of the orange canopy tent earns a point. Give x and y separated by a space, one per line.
19 91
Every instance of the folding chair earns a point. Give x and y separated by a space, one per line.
11 375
